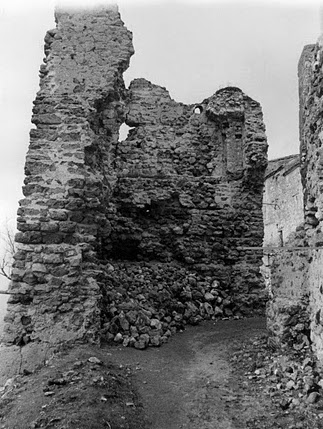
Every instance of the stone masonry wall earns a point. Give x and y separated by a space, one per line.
311 131
288 311
307 265
188 199
283 200
55 294
285 262
129 240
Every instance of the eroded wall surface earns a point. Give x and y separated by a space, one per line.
311 129
187 200
285 266
287 270
283 200
299 273
129 240
55 293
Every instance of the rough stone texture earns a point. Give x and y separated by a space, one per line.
178 196
130 240
301 271
305 65
283 200
284 268
287 270
287 309
312 174
55 293
186 202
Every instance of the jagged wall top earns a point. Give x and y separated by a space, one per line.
184 185
85 51
65 193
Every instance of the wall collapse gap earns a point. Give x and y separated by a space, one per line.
124 131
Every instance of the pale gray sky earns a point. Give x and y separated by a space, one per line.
192 48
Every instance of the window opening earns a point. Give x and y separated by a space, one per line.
124 131
198 110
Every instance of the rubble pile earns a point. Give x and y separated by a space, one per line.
292 378
146 303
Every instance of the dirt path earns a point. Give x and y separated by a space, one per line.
189 382
214 376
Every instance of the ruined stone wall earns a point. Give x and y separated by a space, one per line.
187 200
306 264
283 200
55 294
311 126
287 309
178 195
285 267
305 75
129 240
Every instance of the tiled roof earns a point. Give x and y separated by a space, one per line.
283 165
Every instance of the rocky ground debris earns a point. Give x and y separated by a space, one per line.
260 388
77 389
145 304
291 379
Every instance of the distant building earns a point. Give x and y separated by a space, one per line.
283 200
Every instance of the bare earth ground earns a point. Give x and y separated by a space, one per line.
216 375
187 383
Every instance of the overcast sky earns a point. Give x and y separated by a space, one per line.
192 48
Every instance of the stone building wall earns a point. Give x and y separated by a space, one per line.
287 278
283 200
299 271
188 199
129 240
311 129
171 201
284 267
288 310
55 293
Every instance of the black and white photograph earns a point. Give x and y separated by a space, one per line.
161 200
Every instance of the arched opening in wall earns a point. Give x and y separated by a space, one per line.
198 110
124 132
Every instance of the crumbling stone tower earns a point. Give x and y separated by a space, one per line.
124 239
55 295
